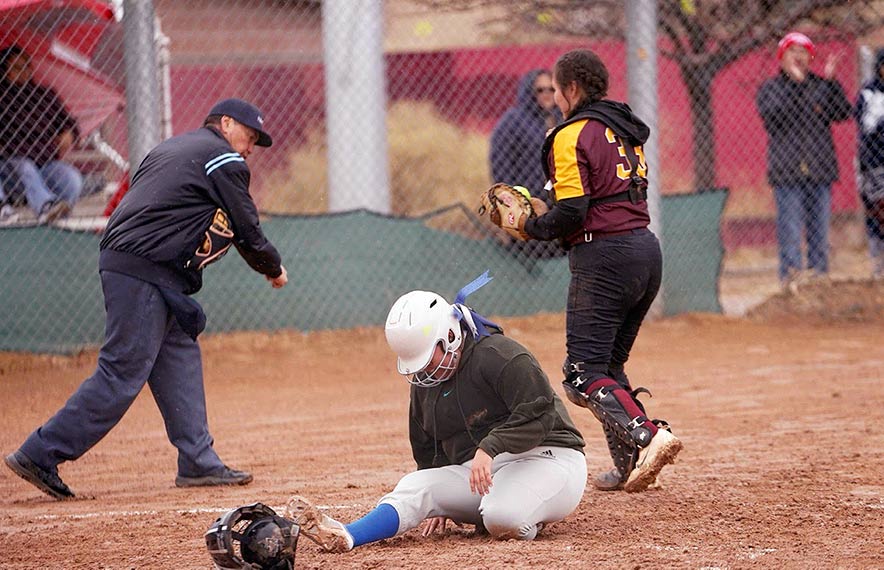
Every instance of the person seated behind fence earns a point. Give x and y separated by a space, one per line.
869 114
8 213
36 131
494 444
516 142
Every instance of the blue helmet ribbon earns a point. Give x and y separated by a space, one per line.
474 321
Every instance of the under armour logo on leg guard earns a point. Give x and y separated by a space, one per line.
639 432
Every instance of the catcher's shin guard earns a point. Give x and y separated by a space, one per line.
612 405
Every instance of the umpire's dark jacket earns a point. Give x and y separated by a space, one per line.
168 225
798 118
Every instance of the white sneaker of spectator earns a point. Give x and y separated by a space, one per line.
53 211
8 214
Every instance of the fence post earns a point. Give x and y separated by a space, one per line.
641 64
143 113
356 97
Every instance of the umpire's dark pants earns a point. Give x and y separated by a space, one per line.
613 283
143 343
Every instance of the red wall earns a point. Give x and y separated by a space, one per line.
473 87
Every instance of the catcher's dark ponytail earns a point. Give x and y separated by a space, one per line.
587 69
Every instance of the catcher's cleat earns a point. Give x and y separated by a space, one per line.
318 527
651 459
47 481
226 476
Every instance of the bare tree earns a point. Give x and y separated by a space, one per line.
702 37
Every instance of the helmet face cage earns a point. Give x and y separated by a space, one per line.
441 372
417 324
252 537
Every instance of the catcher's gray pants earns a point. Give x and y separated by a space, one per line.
143 343
542 485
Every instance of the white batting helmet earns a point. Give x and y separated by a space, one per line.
417 323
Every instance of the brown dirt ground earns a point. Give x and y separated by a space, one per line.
781 469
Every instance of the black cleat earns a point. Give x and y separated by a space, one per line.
610 480
226 476
47 481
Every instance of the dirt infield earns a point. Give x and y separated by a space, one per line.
782 464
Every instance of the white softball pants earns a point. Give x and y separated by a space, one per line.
542 485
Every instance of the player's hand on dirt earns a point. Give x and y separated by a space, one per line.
480 475
831 66
433 524
540 207
280 281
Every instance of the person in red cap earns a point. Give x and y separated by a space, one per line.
798 108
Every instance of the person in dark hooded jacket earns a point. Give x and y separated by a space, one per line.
869 115
515 145
519 134
595 161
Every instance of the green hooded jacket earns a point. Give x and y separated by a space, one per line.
499 399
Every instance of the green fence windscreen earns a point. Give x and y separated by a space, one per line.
345 270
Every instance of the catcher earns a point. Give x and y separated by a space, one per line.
598 176
494 445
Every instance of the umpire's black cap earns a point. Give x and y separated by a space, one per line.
245 113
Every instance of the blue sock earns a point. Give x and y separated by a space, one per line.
382 522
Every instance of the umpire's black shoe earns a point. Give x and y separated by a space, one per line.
226 476
47 481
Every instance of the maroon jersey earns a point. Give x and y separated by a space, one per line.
588 158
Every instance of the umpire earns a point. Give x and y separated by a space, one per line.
189 202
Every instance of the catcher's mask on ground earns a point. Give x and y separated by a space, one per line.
252 537
424 331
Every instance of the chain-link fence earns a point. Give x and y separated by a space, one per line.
389 117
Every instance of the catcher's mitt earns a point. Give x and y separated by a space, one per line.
508 207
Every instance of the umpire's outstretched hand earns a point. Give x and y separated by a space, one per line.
280 281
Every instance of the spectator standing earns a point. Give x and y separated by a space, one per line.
518 136
36 131
869 114
188 204
516 143
798 108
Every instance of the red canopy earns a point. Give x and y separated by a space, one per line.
61 36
